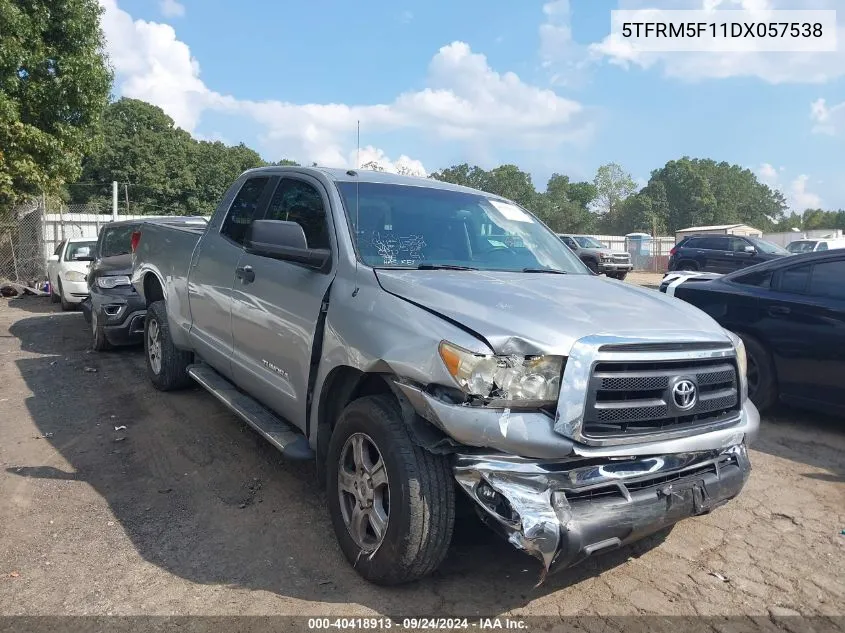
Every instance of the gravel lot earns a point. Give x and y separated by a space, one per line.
186 511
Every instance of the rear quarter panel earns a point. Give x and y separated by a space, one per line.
164 256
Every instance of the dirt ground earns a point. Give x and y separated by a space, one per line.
187 511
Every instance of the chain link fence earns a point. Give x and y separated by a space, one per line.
31 232
648 254
22 257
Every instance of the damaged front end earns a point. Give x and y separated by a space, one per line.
562 512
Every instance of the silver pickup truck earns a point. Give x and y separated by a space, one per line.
425 343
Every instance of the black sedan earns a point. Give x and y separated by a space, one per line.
790 313
114 309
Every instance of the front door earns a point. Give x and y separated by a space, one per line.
212 275
805 323
277 305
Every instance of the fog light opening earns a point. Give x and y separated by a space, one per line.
496 503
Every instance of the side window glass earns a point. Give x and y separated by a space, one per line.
721 243
738 245
760 279
822 246
828 280
569 242
243 210
794 279
297 201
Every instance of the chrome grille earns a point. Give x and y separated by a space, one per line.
621 257
635 398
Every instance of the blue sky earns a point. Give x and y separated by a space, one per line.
538 84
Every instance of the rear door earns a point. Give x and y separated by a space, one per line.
212 274
277 304
714 253
804 320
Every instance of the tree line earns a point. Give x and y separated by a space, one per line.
60 134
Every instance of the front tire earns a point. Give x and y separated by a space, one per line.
762 379
592 265
167 365
67 306
54 297
620 276
392 503
99 343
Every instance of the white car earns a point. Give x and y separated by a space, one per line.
812 245
66 272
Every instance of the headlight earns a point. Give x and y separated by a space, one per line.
73 275
113 281
505 378
741 361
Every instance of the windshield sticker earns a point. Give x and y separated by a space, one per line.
405 251
511 212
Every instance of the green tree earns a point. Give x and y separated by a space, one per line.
166 170
565 205
286 162
464 175
613 185
54 84
702 191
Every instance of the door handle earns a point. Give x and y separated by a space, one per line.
245 273
779 310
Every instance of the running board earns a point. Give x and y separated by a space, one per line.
280 434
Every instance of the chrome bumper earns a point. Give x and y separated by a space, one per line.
565 511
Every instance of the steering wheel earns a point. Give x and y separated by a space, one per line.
493 249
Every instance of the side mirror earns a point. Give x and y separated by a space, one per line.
53 258
286 241
750 249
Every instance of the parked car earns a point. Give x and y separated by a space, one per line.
722 253
115 311
421 339
810 246
66 270
790 313
598 257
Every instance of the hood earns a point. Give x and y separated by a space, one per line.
537 313
115 265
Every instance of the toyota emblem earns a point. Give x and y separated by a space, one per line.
685 395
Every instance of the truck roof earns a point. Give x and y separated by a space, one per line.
366 175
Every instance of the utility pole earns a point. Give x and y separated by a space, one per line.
114 201
126 193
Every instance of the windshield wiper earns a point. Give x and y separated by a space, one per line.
444 267
544 270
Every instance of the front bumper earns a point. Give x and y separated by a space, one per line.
615 267
74 291
564 512
122 315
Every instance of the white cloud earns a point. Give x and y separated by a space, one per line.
827 119
774 68
370 156
171 8
798 197
464 99
559 52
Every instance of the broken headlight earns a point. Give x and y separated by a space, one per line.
504 378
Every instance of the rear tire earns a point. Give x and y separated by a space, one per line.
688 265
167 365
420 513
762 379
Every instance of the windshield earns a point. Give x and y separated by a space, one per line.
801 246
588 242
401 226
79 249
117 240
767 247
